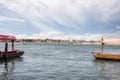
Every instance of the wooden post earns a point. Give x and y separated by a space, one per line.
59 41
6 49
12 45
102 45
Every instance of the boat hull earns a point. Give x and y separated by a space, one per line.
99 55
11 54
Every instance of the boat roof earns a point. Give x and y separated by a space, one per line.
7 37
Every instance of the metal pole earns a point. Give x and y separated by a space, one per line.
6 49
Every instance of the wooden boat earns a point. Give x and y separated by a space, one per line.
102 55
13 53
99 55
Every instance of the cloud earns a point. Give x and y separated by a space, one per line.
2 30
58 35
10 19
63 36
118 27
52 15
85 19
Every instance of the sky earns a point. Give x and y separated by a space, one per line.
60 19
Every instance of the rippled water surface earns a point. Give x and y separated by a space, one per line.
60 62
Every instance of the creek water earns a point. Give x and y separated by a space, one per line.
60 62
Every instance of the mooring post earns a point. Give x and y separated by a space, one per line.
102 43
6 49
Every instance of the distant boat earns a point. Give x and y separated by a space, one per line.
70 41
101 55
23 42
13 53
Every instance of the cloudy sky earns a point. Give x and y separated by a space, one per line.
65 19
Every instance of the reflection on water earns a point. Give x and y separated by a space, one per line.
108 69
8 68
8 71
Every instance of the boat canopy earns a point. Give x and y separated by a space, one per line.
7 37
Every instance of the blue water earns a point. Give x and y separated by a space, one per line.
60 62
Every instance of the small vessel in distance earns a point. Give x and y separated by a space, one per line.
12 53
101 55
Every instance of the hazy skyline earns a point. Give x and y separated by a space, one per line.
65 19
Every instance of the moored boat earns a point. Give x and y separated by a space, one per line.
108 56
12 53
99 55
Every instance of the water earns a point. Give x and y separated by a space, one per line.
60 62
